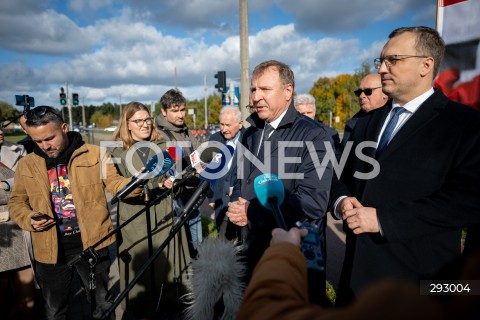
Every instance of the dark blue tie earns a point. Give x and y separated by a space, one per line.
267 130
388 132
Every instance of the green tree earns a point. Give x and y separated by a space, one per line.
7 111
336 95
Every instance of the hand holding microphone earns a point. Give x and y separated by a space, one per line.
270 192
156 166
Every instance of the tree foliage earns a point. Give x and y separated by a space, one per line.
8 112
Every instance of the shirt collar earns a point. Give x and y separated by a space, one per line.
235 139
414 104
275 123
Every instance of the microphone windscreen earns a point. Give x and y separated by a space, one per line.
217 165
266 186
207 154
158 169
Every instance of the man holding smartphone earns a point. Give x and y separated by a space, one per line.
58 196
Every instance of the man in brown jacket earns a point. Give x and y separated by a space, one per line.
64 180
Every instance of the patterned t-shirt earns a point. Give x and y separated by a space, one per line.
64 208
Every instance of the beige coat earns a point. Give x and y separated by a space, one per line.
31 194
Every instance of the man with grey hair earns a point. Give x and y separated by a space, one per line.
278 134
305 104
231 129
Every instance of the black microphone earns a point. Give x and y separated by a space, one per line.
202 189
152 169
197 161
271 192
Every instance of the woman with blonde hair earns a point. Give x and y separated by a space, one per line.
140 141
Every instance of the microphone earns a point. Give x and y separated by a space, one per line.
217 278
177 155
153 168
271 192
197 161
202 189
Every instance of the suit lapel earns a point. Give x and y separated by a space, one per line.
376 121
426 113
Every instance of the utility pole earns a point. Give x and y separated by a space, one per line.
175 75
205 100
120 107
244 61
69 106
83 114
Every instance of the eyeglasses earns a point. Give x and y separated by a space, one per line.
141 122
367 91
40 112
392 60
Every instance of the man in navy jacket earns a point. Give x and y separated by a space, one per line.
295 151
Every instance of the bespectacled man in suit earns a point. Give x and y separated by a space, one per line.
405 218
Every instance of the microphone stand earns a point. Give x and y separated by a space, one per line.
90 256
4 125
149 237
193 204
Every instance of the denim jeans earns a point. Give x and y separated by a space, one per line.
55 281
195 226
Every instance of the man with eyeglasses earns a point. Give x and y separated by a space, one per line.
59 198
370 97
171 124
406 216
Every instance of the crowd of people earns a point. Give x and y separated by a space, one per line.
404 181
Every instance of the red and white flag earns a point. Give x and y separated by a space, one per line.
458 21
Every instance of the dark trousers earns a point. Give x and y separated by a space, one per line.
55 281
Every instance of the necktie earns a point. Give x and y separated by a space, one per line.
388 132
266 134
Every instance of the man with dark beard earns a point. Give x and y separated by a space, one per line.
59 197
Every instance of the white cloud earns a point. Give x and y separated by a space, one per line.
45 32
132 51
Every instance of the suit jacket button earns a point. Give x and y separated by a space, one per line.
248 181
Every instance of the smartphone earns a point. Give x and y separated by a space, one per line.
41 216
311 247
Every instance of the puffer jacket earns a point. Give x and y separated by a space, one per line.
31 195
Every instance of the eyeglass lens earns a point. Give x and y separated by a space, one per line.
141 122
367 91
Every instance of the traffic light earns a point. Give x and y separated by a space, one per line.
221 77
63 98
75 99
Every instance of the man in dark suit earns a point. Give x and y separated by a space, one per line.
231 130
406 205
289 145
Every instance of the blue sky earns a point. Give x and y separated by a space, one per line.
128 49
